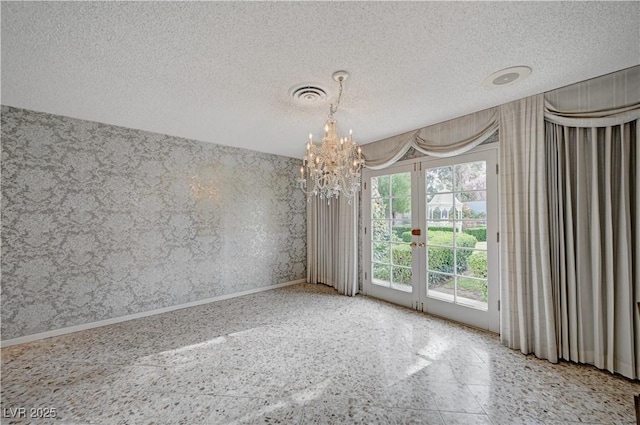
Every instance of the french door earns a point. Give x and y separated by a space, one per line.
430 237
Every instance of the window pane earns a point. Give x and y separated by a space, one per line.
441 286
401 185
381 252
442 237
401 208
380 208
401 254
402 276
471 205
440 225
462 255
471 176
477 265
472 292
380 186
477 228
381 230
401 232
442 206
465 240
381 272
440 259
439 180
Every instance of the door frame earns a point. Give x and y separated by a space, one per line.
418 298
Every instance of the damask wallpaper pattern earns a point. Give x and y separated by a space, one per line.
100 221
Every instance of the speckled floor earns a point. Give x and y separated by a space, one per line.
301 354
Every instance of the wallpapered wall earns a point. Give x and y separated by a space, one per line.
101 221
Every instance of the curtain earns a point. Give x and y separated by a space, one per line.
332 243
446 139
594 208
527 320
593 199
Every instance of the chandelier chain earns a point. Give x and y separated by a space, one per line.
332 109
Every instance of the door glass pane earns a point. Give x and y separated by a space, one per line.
477 264
379 185
381 274
471 292
401 185
470 176
380 230
391 231
401 209
441 286
381 252
440 259
439 180
443 236
379 209
456 213
472 205
401 254
402 278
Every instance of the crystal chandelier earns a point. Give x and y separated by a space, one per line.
332 168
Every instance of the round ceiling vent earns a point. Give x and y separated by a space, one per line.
307 93
507 76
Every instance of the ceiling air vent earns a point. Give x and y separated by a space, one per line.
307 93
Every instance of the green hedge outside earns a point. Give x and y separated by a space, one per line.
478 264
399 230
480 233
442 260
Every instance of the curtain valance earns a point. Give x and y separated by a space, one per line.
609 100
445 139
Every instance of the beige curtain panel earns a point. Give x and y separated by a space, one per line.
593 203
527 319
592 166
332 243
446 139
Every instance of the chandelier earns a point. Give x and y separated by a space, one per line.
332 168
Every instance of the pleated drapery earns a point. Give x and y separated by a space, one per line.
332 243
527 320
594 195
594 208
570 223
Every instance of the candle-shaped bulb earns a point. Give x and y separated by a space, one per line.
310 137
301 172
326 128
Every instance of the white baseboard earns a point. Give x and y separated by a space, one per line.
91 325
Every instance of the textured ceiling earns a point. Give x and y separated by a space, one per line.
220 71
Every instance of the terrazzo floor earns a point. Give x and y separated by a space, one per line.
300 355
